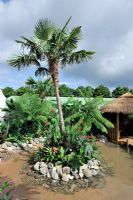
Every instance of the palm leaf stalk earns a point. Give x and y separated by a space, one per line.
55 46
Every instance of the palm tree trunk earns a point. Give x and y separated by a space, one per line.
56 87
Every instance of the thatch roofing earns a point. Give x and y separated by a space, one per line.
123 104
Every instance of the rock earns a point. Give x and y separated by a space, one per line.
30 145
83 167
65 177
75 173
43 164
90 164
9 144
18 148
4 146
94 172
87 173
76 176
23 145
41 139
102 138
99 162
71 177
10 148
66 170
44 170
50 165
33 143
95 167
81 174
54 174
36 166
1 150
36 140
15 144
48 175
59 169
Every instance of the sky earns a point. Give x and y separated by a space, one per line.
107 29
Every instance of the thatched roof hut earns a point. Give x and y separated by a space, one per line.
123 104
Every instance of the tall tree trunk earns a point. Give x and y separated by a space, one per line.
56 87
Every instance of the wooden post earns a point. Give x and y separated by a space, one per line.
117 128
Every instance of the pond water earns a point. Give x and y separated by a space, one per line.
118 187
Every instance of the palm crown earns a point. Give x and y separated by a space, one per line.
50 42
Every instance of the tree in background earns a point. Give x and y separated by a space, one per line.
65 91
118 91
87 91
103 91
131 91
55 46
8 91
22 90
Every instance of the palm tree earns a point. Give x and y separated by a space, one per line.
41 87
56 47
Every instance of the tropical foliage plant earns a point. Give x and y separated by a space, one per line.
82 116
25 117
4 193
74 158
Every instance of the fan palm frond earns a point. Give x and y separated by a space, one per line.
23 60
42 71
44 29
71 42
77 57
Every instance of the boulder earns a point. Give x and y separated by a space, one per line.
36 166
50 165
59 169
66 170
41 139
83 167
36 140
4 146
76 176
54 174
23 145
44 170
95 167
43 164
81 174
48 175
94 172
11 148
8 144
30 145
87 173
102 138
15 144
65 177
